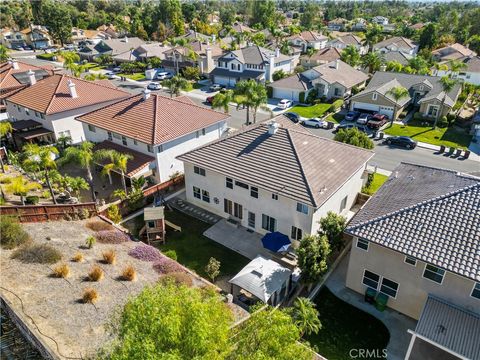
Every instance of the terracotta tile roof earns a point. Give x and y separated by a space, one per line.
52 95
9 82
155 120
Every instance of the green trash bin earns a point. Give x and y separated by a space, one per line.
381 302
370 295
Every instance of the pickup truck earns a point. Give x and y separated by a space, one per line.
377 121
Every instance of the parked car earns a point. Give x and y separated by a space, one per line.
377 121
216 87
111 76
284 104
363 118
401 141
315 122
352 115
164 75
210 99
117 69
292 116
154 86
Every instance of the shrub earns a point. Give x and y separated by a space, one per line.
179 278
135 200
32 200
213 268
12 233
113 213
337 104
418 116
39 254
90 241
109 257
442 122
5 180
354 137
172 254
269 91
45 195
312 96
2 201
129 273
146 253
84 214
78 257
50 57
96 273
61 271
98 225
111 237
166 266
191 73
90 296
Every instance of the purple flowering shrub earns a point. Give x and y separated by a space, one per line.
146 253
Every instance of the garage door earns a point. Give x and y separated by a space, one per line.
223 80
285 94
359 106
386 110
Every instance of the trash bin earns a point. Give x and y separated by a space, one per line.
380 135
370 295
381 302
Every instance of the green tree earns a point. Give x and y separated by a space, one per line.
310 16
3 53
354 137
253 96
305 316
429 37
373 35
5 129
332 226
63 141
104 59
312 257
373 60
173 322
155 62
394 66
20 186
58 21
351 56
191 73
117 162
223 100
176 84
212 269
73 185
397 93
474 43
447 86
170 14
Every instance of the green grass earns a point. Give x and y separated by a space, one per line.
198 86
94 66
451 136
134 76
336 118
345 327
378 180
311 111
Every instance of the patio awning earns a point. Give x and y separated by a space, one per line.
276 242
25 124
32 134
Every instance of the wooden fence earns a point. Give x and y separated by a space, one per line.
179 181
40 213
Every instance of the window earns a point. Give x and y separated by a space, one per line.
135 142
275 196
199 170
411 260
433 273
476 290
432 110
268 223
160 148
196 192
374 96
65 133
229 183
37 114
91 128
296 233
27 111
389 287
109 135
149 148
117 136
205 196
197 134
370 279
303 208
362 244
343 204
42 116
233 209
254 192
203 131
241 184
251 219
124 141
151 224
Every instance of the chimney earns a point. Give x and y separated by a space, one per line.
277 52
72 88
146 94
337 64
31 77
15 65
272 128
210 64
271 68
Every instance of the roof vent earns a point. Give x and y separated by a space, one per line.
72 88
31 77
337 64
15 65
146 94
272 128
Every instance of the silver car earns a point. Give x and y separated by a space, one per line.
316 123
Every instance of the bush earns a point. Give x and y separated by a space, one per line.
191 73
5 180
442 122
134 201
12 233
354 137
45 195
90 296
109 257
146 253
269 91
90 241
312 96
50 57
337 104
172 254
129 273
166 266
37 254
178 278
32 200
278 75
418 116
84 214
111 237
95 274
113 213
98 225
78 257
61 271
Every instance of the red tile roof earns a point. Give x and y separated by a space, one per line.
8 82
52 95
155 120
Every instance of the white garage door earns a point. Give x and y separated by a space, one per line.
223 80
286 94
359 106
386 110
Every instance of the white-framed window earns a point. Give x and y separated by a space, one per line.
374 96
433 273
254 192
109 136
229 183
343 204
116 136
389 287
269 223
303 208
124 141
362 244
241 184
432 110
199 171
476 290
91 128
196 192
205 196
274 196
149 148
296 233
370 279
411 260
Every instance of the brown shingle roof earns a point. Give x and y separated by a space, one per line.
155 120
51 95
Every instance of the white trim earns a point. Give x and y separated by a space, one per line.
436 344
473 288
443 276
379 278
358 247
396 291
408 256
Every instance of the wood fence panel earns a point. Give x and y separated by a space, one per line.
40 213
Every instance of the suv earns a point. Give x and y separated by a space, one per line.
363 118
284 104
377 121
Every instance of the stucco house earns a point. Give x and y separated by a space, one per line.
380 20
275 176
349 40
337 24
37 37
12 39
308 40
425 92
470 74
396 43
154 129
320 57
120 49
454 51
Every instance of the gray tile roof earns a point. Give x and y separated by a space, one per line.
296 81
450 326
344 75
257 55
397 56
398 41
430 214
246 74
296 164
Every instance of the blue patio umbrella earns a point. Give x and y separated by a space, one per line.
276 241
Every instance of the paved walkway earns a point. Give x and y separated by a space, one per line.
397 323
180 204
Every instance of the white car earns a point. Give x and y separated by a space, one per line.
363 118
163 75
111 76
154 86
315 122
117 69
284 104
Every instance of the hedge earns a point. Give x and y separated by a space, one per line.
50 57
269 91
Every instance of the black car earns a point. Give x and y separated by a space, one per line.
292 116
402 141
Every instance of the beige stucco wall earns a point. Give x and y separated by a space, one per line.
367 98
424 107
413 288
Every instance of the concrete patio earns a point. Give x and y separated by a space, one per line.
397 323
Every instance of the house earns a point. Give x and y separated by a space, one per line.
396 43
320 57
207 55
359 24
37 37
470 74
120 49
337 24
192 35
56 100
237 27
12 39
425 92
147 51
271 177
77 35
417 26
332 80
178 58
155 129
348 40
109 30
397 56
380 20
452 52
416 241
308 40
251 62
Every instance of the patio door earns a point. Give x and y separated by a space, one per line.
233 208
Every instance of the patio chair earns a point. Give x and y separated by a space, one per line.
466 154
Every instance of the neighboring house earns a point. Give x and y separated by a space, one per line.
380 20
275 176
397 56
308 40
56 100
332 80
12 39
192 35
416 241
109 30
37 37
155 126
452 52
349 39
337 24
359 24
251 62
417 26
237 27
120 49
470 74
396 43
77 35
425 92
146 51
207 55
179 58
320 57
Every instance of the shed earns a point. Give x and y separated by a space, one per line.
154 223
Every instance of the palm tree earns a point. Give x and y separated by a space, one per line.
43 159
351 55
63 142
305 316
397 93
175 85
447 85
252 95
372 60
21 187
455 66
223 100
118 162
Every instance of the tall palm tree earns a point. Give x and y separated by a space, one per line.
351 55
305 316
175 85
455 66
447 85
397 93
253 96
43 159
63 142
21 187
372 60
118 162
223 100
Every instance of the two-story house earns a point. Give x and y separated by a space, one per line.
417 242
55 101
251 62
425 92
275 176
37 37
349 40
396 43
454 51
308 40
380 20
470 72
154 129
12 39
337 24
320 57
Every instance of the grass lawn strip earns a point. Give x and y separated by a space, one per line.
134 76
310 111
378 180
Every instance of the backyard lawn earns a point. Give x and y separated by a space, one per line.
378 180
451 136
310 111
344 327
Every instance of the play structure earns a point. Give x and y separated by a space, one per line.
154 228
